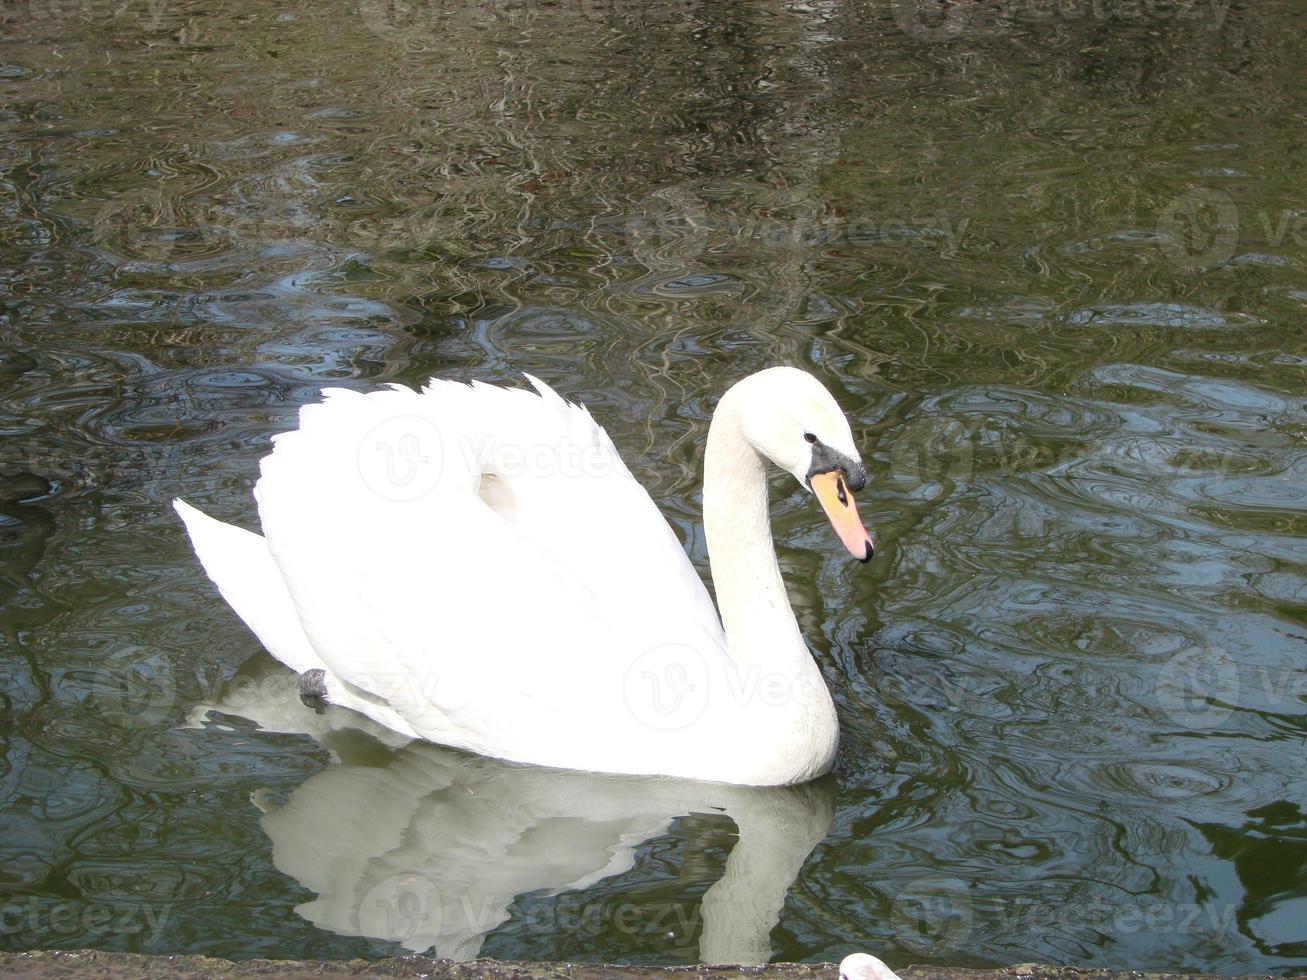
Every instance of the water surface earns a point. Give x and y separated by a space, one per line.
1050 257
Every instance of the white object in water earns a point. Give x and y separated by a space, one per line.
475 566
864 966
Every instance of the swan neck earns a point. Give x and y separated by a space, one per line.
751 597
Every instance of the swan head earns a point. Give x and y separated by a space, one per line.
788 416
863 966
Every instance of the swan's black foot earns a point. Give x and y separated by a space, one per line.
313 689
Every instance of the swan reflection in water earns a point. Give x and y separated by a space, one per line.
428 848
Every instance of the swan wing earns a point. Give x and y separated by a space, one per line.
241 566
568 489
456 554
237 561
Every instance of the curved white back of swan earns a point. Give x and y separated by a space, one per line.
475 566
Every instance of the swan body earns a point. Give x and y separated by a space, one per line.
475 566
864 966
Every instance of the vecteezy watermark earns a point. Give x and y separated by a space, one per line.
399 21
669 228
1200 687
936 448
931 20
932 686
48 922
137 687
624 12
416 22
409 909
1199 229
147 13
667 686
415 691
1127 918
15 753
1203 228
675 224
576 914
134 687
404 458
1123 916
932 915
670 686
1209 13
411 22
934 21
931 450
401 458
403 909
936 916
565 458
155 224
138 224
579 914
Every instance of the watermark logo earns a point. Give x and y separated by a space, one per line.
139 688
146 224
13 757
1071 915
401 20
404 458
931 450
1199 229
417 691
54 923
400 459
134 688
932 915
930 20
666 687
137 224
402 909
1198 688
147 12
670 229
416 23
622 13
1204 228
933 21
675 226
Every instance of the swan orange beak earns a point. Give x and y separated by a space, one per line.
837 502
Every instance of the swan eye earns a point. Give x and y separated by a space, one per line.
810 437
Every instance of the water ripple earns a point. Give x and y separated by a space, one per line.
1049 261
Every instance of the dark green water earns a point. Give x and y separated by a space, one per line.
1050 257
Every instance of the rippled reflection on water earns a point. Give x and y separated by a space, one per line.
1050 257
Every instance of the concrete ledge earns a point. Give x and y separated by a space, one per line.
46 965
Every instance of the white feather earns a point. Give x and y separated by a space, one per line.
476 566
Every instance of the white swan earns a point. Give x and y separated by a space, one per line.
864 966
475 566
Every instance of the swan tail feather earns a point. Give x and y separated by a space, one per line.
243 569
240 565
